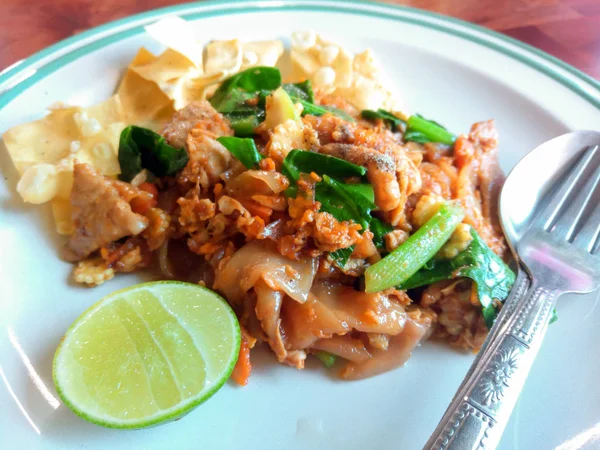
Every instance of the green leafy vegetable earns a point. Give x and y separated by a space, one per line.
141 148
243 125
379 229
240 98
326 358
238 101
342 255
301 91
364 189
301 161
381 114
243 86
422 130
345 202
553 316
320 110
401 264
342 205
243 149
492 277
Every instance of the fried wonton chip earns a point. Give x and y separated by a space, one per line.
261 53
223 57
168 66
336 71
44 151
64 131
178 35
155 86
144 102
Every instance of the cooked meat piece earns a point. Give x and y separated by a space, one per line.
176 131
479 182
197 127
100 214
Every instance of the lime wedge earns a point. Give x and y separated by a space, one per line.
147 354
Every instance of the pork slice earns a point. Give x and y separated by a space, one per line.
100 214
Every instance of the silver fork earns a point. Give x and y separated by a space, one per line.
561 252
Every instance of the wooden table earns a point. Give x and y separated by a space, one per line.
567 29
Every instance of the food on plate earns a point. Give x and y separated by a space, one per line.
152 352
333 223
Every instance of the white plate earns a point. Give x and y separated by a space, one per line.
452 71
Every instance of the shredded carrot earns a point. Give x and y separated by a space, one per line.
474 297
257 210
243 367
315 177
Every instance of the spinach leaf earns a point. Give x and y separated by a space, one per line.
422 130
302 161
364 189
341 204
243 149
390 119
492 277
302 91
431 121
141 148
342 256
320 110
244 123
379 229
240 98
344 205
345 202
237 87
415 136
237 101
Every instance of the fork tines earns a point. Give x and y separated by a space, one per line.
573 212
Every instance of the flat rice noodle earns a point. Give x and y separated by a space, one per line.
345 347
262 182
336 309
268 308
396 355
261 260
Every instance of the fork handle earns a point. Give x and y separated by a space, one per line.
480 411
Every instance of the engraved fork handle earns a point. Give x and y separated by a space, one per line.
482 406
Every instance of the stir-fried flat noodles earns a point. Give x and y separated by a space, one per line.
334 225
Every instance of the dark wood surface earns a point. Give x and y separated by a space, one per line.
567 29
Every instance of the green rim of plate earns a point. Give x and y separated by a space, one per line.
20 76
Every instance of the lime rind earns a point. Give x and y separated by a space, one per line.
164 415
